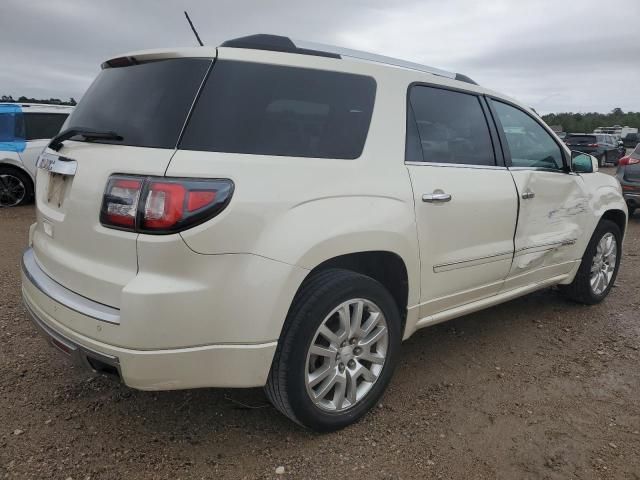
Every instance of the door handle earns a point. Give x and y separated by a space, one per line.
436 197
528 195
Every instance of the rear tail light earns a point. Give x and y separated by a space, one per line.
160 205
594 145
628 161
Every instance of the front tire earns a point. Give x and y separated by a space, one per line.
337 351
599 268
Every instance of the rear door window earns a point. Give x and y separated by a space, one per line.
43 125
262 109
146 104
445 126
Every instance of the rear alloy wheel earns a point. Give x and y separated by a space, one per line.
337 351
346 356
15 188
599 267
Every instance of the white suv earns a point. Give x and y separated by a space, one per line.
25 129
269 213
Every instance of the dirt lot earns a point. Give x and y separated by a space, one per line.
536 388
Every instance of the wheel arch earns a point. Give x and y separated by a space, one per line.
617 216
14 164
387 268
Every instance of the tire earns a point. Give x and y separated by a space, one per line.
602 160
581 289
288 386
15 187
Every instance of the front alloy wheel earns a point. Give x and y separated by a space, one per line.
599 267
604 263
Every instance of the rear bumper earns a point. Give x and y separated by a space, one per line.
57 312
632 199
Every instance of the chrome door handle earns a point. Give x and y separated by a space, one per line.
436 197
528 195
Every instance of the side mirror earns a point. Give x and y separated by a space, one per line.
583 163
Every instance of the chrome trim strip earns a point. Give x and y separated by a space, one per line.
544 246
373 57
538 169
64 296
57 164
446 267
77 352
456 165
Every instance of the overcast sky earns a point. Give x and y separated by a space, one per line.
554 55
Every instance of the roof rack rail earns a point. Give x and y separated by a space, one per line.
280 43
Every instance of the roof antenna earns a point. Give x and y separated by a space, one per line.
193 28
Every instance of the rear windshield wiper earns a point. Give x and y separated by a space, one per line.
88 133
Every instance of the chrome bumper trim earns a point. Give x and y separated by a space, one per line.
64 296
81 356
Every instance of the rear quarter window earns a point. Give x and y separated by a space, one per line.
262 109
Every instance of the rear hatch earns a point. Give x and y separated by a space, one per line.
582 143
145 101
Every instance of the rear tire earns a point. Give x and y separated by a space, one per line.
15 187
582 289
354 384
602 160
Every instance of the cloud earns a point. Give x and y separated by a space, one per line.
554 56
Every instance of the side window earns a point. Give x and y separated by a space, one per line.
447 127
43 125
529 143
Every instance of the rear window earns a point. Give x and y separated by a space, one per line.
261 109
146 104
43 125
581 138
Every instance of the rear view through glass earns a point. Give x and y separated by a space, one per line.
146 104
264 109
580 139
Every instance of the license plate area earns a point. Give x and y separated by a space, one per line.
56 189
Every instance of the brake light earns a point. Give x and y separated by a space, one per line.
628 161
592 145
160 205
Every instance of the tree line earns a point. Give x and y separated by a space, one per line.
588 122
23 99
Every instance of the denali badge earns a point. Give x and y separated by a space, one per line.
57 164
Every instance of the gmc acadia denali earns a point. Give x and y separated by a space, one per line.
281 214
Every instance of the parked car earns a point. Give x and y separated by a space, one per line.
25 129
287 215
602 146
629 176
631 140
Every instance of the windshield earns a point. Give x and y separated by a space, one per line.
146 104
636 152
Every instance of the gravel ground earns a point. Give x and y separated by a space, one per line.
535 388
